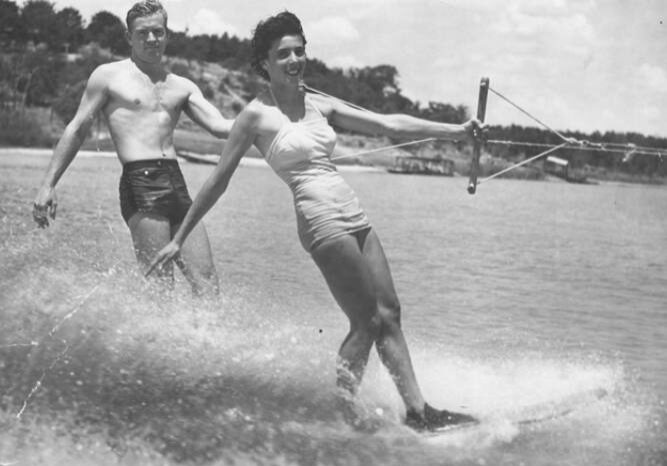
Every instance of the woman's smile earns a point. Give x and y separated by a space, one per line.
287 56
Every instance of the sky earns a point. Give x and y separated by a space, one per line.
586 65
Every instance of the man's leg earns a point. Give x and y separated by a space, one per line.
197 262
150 233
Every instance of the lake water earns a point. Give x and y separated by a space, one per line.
526 293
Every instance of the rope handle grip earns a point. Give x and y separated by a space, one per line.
477 145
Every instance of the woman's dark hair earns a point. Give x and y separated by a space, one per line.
269 30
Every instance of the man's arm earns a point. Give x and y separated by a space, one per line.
93 99
204 113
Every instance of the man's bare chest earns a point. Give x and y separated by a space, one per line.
146 96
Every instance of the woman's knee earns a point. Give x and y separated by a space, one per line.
389 314
368 328
384 316
385 320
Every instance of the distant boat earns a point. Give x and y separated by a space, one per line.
422 166
561 168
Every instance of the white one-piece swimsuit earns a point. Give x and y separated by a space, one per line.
326 206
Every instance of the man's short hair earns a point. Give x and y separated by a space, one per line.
145 8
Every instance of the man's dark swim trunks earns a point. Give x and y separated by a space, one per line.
154 186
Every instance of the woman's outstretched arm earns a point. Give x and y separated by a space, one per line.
393 125
241 137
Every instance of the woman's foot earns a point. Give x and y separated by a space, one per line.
358 416
434 419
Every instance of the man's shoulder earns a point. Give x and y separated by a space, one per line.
118 65
110 69
182 82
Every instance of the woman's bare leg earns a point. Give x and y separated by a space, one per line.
390 343
351 283
393 349
357 272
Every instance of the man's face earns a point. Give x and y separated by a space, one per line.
148 38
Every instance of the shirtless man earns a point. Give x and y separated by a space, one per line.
142 102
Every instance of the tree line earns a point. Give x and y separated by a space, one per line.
35 71
38 35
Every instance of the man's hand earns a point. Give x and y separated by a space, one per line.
45 206
168 253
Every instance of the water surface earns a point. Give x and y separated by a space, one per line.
526 293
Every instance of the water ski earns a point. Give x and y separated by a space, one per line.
531 414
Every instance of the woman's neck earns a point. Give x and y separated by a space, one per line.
287 92
289 99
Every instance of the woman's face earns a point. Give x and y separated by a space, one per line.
286 60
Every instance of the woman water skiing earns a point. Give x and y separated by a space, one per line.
292 130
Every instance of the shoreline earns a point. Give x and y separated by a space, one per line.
255 161
246 161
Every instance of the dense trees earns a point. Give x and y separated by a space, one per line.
10 21
108 30
38 23
69 30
